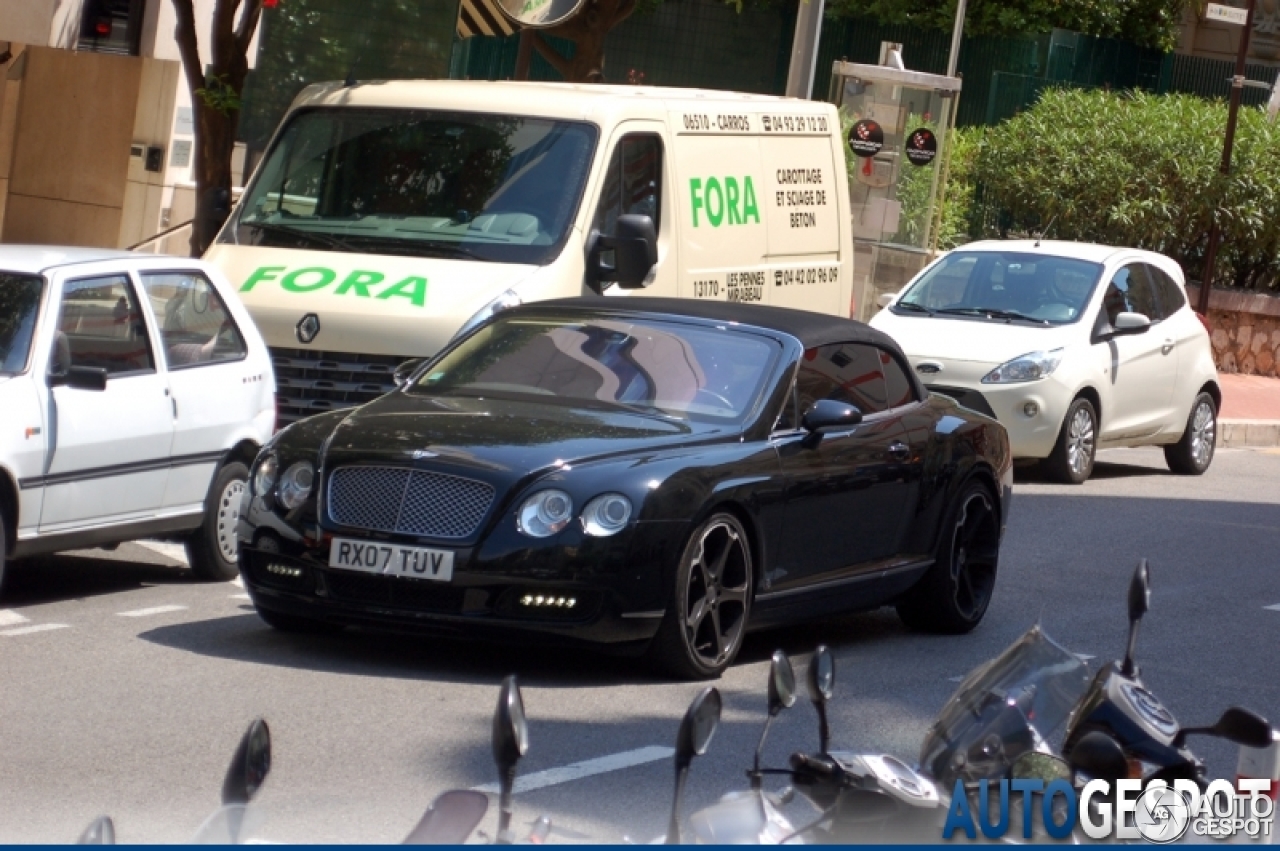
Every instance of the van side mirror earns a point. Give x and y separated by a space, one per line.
635 253
80 378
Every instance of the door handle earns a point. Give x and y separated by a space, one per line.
899 450
1167 347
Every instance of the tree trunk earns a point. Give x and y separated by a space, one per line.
587 31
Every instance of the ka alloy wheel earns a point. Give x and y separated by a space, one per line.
1072 458
704 627
954 594
1193 453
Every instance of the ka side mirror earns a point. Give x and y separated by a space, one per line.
80 378
510 743
1139 603
1130 323
822 684
635 252
405 371
1099 756
1236 725
696 730
102 831
885 299
250 765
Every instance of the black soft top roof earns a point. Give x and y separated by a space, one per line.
811 329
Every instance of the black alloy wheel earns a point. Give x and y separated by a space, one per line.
954 594
703 628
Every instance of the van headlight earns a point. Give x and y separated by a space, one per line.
507 300
544 513
295 485
264 475
1029 367
606 515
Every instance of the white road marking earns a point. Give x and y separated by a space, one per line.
40 627
586 768
154 610
240 596
1084 657
238 582
169 550
955 679
8 617
1275 608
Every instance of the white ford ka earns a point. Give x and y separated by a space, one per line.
1072 347
134 392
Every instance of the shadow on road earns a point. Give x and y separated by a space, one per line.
52 579
1032 474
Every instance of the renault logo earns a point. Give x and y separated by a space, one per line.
307 328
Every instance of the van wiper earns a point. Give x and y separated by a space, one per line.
991 312
311 236
919 308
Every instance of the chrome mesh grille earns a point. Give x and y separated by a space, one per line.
408 502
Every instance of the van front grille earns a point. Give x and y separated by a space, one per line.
312 382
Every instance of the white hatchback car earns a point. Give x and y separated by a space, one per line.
1072 346
134 392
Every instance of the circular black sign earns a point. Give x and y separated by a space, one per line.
922 146
866 138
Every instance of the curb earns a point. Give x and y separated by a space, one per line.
1237 434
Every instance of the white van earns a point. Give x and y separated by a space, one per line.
386 217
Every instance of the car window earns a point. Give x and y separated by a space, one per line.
195 327
846 372
899 389
649 364
19 304
1130 291
633 182
100 324
1171 295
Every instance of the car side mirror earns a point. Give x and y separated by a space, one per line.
80 378
635 252
829 413
405 371
1130 323
885 299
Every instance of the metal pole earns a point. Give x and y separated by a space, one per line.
524 54
1233 110
804 49
953 58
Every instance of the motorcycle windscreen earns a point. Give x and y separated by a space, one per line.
1007 706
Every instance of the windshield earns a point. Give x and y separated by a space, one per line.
1010 705
19 304
419 183
661 367
1003 286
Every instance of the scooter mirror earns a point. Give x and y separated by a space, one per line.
102 831
1140 592
1244 728
250 765
1034 765
782 683
1099 756
822 675
510 742
696 730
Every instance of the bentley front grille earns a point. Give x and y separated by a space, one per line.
312 382
408 502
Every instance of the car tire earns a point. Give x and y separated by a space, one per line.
1193 453
4 551
953 596
1071 461
297 623
213 550
705 622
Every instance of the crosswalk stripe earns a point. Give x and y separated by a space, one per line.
27 630
154 610
8 617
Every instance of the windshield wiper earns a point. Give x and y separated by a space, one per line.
283 230
919 308
992 313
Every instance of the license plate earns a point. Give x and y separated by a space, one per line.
392 559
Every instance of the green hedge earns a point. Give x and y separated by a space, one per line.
1128 169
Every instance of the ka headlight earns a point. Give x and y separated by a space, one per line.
507 300
295 485
264 476
1029 367
544 513
606 515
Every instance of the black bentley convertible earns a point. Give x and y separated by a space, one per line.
655 475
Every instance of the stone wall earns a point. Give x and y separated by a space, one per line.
1246 331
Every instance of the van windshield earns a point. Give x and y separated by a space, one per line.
462 185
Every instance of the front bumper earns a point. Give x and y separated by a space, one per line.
1030 435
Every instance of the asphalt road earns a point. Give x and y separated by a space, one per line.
124 685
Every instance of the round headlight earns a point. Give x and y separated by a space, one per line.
264 477
544 513
295 485
607 514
